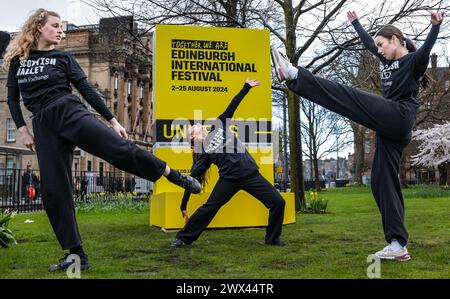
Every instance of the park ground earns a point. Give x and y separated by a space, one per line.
121 244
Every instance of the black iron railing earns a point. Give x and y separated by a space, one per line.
15 193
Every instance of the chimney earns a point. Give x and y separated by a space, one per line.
64 25
433 60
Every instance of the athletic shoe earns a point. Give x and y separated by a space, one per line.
189 183
387 253
276 242
280 64
65 263
178 243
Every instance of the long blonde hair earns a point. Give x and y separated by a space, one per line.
27 38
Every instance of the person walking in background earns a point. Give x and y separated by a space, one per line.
30 184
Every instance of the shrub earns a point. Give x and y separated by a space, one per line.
7 237
316 204
121 202
426 193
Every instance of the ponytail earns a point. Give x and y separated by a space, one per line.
409 45
425 81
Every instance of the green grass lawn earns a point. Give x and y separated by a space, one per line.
121 244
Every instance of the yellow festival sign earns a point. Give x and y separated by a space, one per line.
196 73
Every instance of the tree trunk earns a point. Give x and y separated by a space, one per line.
358 136
295 141
442 174
297 185
311 161
404 167
314 157
231 12
316 173
448 173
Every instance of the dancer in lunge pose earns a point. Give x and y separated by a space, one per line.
237 171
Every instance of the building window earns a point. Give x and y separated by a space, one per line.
2 173
10 130
100 178
115 105
129 86
76 163
130 125
10 166
367 147
89 165
116 82
141 91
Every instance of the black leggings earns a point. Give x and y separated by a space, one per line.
58 128
223 191
392 121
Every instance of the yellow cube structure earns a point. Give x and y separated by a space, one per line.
196 73
242 210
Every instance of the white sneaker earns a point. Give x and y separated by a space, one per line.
387 253
280 64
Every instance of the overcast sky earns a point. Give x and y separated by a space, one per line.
13 13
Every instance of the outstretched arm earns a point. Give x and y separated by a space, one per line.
200 167
423 53
366 39
91 96
183 206
229 112
78 78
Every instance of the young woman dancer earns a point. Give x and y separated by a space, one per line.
237 171
391 116
42 75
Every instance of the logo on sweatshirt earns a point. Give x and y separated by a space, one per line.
386 70
216 142
34 67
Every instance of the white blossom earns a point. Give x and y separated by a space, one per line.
434 148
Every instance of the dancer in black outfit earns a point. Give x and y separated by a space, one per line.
391 116
237 171
43 76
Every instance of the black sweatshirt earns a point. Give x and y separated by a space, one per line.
44 77
222 148
400 77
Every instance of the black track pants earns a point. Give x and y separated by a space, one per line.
392 121
58 128
256 185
